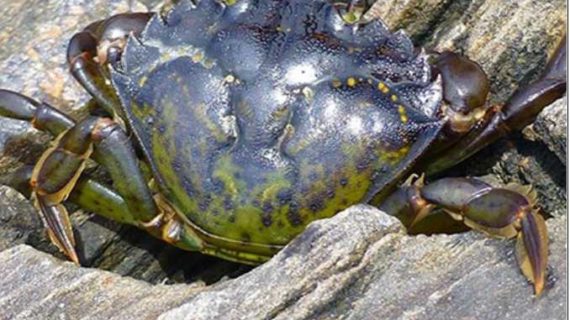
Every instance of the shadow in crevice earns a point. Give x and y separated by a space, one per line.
135 253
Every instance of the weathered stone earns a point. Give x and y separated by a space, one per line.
35 285
551 127
18 218
359 264
309 273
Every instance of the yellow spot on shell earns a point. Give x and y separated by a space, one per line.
230 78
143 80
402 112
198 56
208 63
351 82
394 98
336 83
382 87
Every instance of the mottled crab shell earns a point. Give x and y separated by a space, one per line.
260 117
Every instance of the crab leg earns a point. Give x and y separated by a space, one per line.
503 212
112 147
40 114
519 111
58 170
100 43
87 193
94 196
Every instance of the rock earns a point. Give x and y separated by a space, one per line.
359 264
309 273
35 285
18 219
33 43
552 128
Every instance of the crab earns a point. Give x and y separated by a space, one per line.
228 126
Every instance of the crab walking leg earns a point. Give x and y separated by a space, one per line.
87 193
53 178
504 212
93 196
58 170
519 111
42 115
88 73
100 43
113 149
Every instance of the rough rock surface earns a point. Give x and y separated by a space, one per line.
550 129
476 278
363 266
359 264
35 285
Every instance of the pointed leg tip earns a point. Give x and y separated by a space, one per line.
538 286
534 256
58 225
72 255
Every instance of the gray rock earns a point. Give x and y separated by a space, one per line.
17 218
359 264
311 272
35 285
551 127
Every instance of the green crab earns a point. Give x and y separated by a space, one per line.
228 126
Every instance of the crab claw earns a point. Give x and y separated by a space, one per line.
532 249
